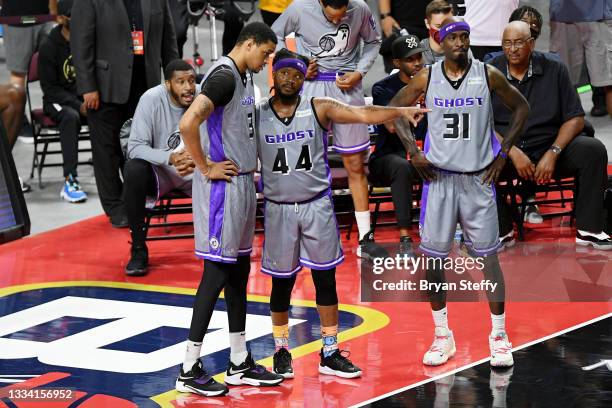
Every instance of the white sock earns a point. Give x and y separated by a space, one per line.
601 235
238 349
192 353
440 318
363 222
498 323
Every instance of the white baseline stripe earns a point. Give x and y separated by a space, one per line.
531 343
19 375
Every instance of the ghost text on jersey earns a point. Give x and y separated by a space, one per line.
458 102
290 136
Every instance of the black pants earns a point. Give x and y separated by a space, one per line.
104 125
139 182
395 170
269 17
584 158
233 22
180 18
69 122
479 51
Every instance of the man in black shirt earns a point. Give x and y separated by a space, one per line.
552 144
60 99
388 164
119 48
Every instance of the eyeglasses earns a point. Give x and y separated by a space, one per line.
518 44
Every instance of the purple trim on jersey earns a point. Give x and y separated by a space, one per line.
352 149
325 137
216 258
424 202
216 212
495 145
280 274
322 266
426 143
214 125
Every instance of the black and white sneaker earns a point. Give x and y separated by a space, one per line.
599 241
199 382
249 373
369 249
282 363
339 365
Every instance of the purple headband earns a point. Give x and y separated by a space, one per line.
291 63
452 27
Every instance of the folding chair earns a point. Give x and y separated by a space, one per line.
45 129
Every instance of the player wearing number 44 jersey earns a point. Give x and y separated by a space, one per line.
461 161
300 225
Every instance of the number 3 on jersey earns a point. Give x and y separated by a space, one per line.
457 126
304 163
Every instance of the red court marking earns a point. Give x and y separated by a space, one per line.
390 357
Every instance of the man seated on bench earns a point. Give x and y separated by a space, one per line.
552 145
60 98
389 164
157 161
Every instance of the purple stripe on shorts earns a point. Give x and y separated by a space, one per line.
353 149
214 125
433 253
322 266
423 202
215 216
327 76
281 274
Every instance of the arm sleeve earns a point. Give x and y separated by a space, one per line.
83 45
140 143
569 100
51 86
219 86
371 42
286 23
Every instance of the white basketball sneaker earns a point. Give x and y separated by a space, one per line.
501 350
442 348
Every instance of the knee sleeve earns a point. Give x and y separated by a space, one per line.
281 294
325 286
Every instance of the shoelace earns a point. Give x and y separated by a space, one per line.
436 346
504 347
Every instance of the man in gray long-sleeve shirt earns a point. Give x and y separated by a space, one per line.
158 162
330 32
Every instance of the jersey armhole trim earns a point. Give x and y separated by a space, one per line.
314 112
486 70
428 79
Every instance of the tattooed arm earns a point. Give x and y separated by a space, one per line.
408 96
198 112
330 110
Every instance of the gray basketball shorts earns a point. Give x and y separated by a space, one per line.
348 138
167 180
298 235
224 217
463 198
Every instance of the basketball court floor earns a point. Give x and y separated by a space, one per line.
71 319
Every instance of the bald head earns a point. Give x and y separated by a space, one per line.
517 43
517 29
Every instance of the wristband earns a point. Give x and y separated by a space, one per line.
502 154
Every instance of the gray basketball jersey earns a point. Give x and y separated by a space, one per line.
229 132
293 156
460 134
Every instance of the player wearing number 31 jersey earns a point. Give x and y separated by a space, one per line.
300 226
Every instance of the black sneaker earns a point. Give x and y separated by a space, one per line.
604 244
405 247
139 261
282 363
339 365
368 249
597 111
198 381
119 220
249 373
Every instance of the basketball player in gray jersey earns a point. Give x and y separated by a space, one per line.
300 226
461 161
224 206
330 33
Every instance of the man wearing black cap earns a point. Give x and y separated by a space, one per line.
60 99
388 164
